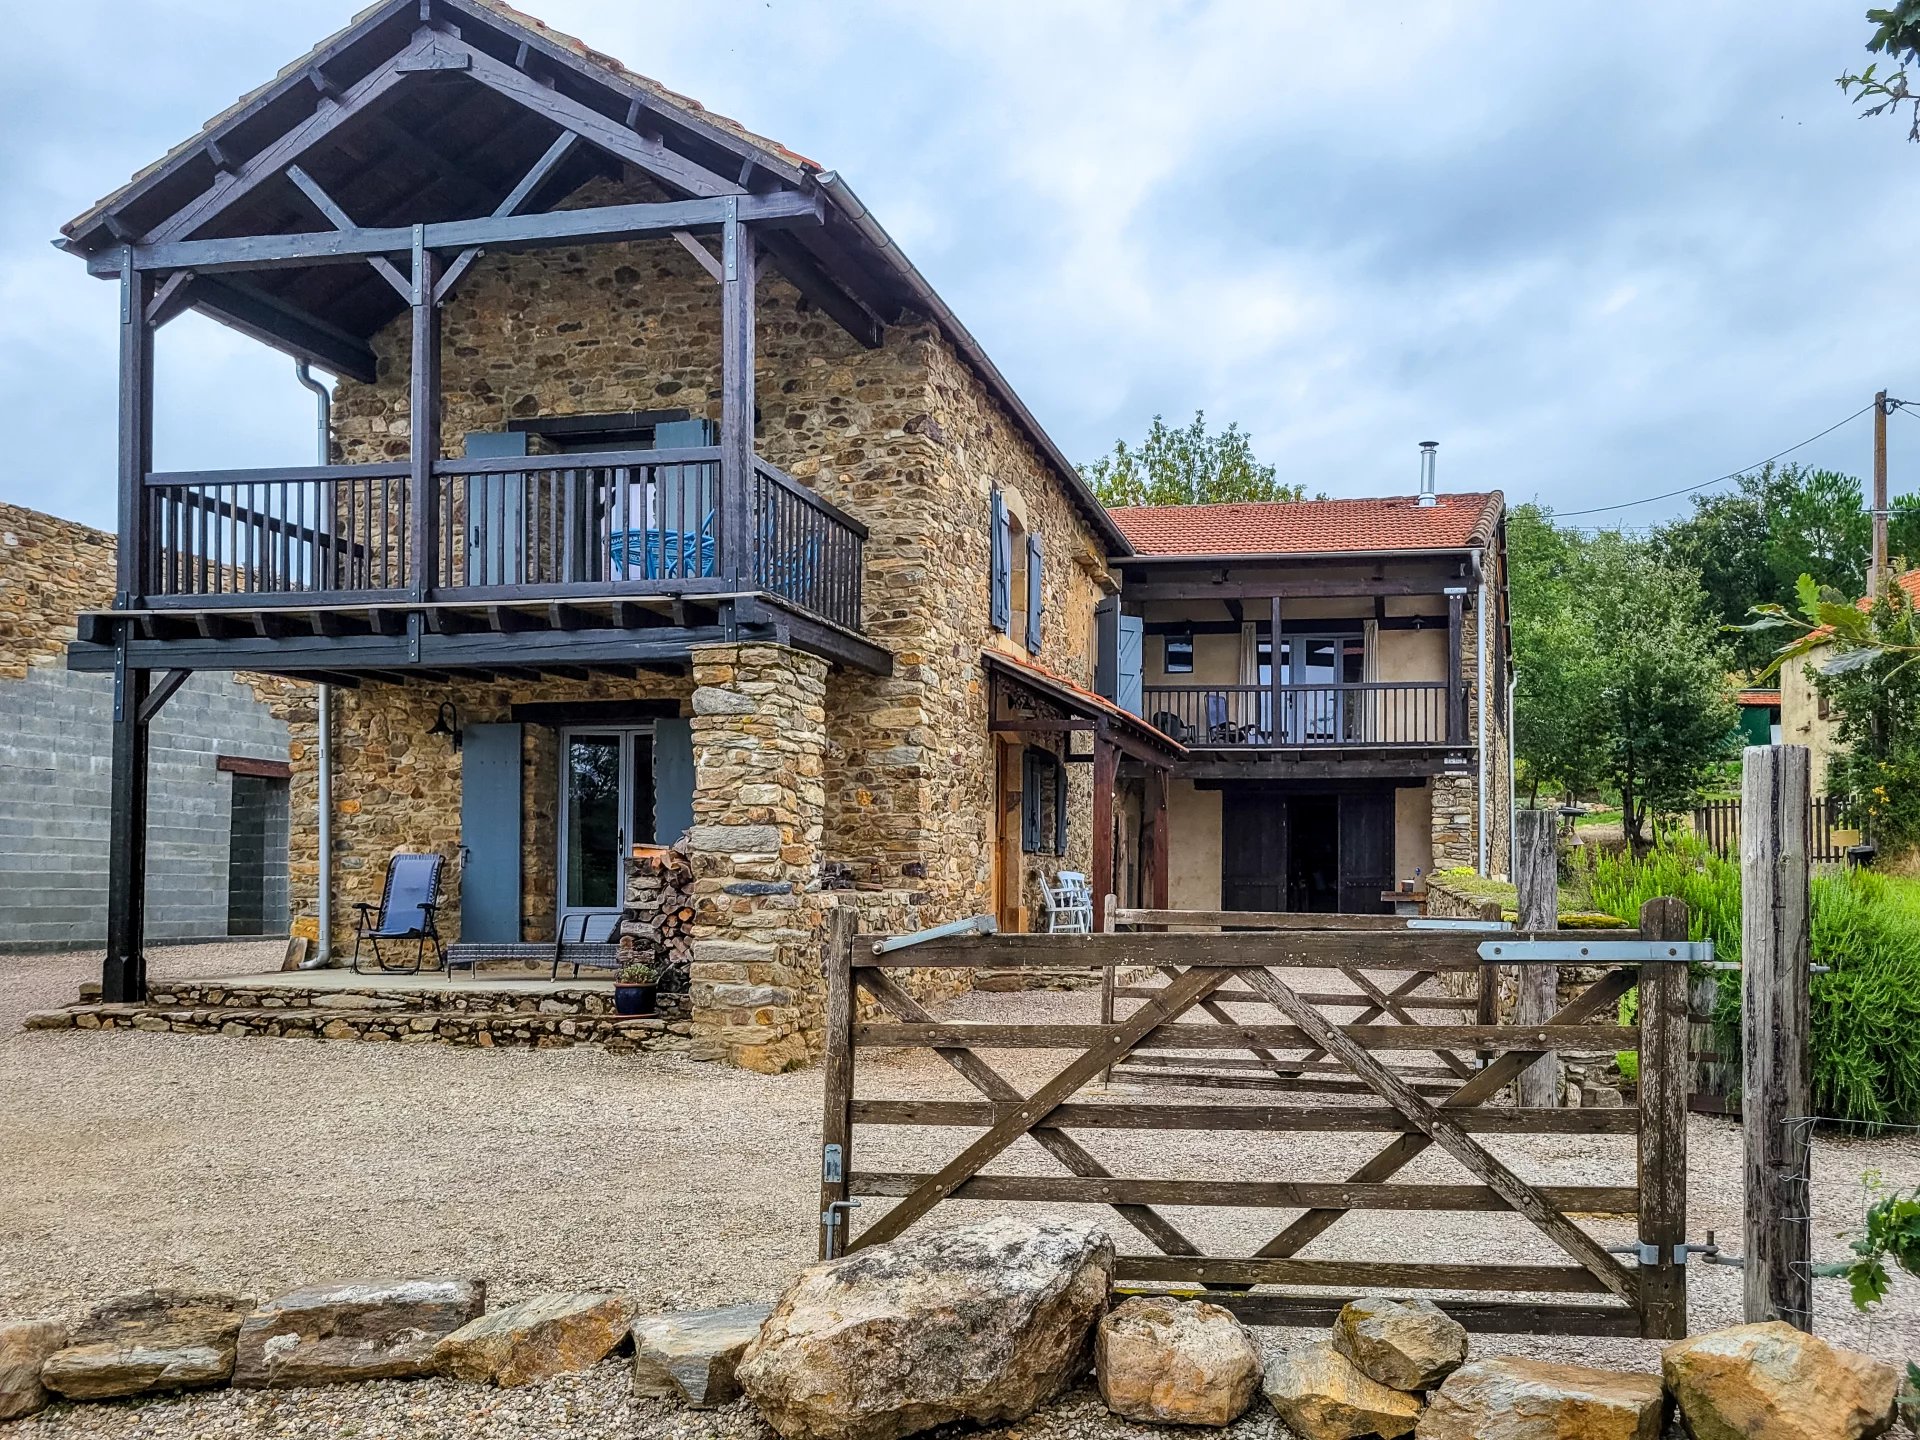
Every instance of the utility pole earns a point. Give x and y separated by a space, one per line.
1877 567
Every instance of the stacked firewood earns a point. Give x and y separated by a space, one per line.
658 929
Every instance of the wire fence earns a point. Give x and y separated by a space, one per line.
1827 1158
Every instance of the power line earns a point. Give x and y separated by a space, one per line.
1718 479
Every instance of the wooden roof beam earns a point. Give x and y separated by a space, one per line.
340 220
845 309
541 171
272 321
596 225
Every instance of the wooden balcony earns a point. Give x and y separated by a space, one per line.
1384 715
621 523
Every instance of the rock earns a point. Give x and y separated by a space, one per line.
354 1330
692 1355
545 1336
1321 1396
24 1346
147 1342
1405 1344
1774 1380
1509 1399
1176 1362
982 1322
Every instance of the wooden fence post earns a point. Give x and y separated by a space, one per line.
1666 1074
836 1123
1536 874
1776 961
1107 979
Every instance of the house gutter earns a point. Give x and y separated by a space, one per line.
323 708
857 214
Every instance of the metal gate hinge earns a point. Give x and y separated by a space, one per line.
1596 952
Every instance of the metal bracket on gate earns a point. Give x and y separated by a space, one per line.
1439 923
1648 1253
830 1171
831 1220
973 925
1597 952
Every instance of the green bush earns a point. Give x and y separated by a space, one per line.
1865 1013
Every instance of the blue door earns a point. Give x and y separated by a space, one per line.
490 834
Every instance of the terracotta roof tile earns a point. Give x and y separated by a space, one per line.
1280 527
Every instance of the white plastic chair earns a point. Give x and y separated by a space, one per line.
1069 904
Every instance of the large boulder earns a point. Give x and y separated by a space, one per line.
536 1339
24 1347
693 1355
983 1322
1405 1344
1776 1381
1508 1399
1321 1396
148 1342
354 1330
1175 1362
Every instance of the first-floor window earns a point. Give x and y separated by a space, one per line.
1043 803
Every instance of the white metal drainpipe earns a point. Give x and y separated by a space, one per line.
323 707
1481 700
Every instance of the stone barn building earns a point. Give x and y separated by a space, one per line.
665 503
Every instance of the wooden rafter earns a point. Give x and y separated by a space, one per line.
340 220
541 170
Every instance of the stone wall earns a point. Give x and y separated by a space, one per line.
56 748
395 788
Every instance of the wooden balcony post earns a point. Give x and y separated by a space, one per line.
123 978
1276 676
1456 676
738 273
423 404
136 430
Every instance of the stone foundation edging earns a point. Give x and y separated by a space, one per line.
513 1030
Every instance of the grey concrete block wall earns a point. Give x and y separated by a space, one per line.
56 774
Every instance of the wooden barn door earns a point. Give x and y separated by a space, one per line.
1253 850
1366 851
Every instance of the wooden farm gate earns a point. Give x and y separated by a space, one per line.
1205 974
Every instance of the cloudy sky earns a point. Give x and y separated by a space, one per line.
1599 252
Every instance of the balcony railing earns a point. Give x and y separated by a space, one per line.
609 523
1386 713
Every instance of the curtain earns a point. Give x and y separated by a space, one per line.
1373 705
1248 711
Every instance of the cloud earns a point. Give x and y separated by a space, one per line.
1596 254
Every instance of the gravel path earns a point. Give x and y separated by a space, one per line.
129 1159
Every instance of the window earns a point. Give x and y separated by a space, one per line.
1178 656
1824 706
1043 803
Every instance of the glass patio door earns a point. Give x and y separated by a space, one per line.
606 807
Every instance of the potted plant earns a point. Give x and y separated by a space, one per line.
633 989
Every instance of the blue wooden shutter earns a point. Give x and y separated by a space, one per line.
1059 807
1002 547
1036 592
1029 803
490 834
1130 642
672 779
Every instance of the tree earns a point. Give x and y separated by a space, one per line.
1185 467
1896 35
1622 680
1751 545
1553 654
1865 659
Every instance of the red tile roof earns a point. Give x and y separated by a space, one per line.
1079 699
1281 527
1758 697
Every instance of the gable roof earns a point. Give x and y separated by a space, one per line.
428 147
1316 527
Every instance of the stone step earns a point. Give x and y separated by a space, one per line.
524 1030
435 996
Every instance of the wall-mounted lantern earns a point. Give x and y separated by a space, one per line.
447 722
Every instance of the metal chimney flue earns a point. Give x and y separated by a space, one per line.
1429 452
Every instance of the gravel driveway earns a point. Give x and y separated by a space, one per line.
130 1159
